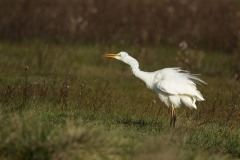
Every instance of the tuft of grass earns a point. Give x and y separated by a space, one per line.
28 136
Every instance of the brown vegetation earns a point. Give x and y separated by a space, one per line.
208 23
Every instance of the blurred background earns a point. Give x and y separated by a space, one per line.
202 23
205 25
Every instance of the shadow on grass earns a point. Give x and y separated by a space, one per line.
139 122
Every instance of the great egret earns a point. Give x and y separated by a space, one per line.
173 86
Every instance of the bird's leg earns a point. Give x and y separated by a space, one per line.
173 117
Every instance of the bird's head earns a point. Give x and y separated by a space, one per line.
122 56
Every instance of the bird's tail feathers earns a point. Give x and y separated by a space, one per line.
199 96
196 80
188 101
192 77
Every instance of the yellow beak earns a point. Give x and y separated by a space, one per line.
110 55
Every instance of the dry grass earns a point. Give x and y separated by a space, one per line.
35 137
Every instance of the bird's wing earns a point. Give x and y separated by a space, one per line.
174 81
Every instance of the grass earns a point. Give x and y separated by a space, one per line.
72 104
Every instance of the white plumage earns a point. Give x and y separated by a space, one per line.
173 86
177 87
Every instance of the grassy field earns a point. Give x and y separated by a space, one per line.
65 101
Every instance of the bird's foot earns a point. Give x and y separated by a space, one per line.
173 121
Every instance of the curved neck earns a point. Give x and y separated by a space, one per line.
141 74
144 76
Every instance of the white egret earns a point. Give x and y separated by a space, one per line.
173 86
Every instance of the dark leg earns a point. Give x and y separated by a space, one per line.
173 118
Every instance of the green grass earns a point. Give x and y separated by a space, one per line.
74 104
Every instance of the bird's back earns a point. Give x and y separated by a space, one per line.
175 87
